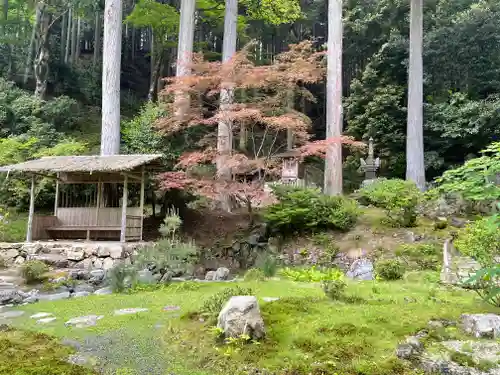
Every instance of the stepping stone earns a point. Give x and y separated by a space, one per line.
130 311
53 297
270 299
103 291
84 321
81 294
171 308
46 320
11 314
41 315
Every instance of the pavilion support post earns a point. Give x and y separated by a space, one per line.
142 203
98 201
29 232
123 231
56 201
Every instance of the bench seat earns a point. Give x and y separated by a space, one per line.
84 228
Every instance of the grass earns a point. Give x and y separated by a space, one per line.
15 230
306 332
29 353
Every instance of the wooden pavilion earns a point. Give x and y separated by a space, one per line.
92 198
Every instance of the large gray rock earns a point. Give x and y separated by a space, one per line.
210 275
10 296
222 273
75 254
56 260
361 269
10 254
241 315
481 325
410 349
108 264
116 252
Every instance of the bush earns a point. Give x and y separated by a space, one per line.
121 277
485 282
481 240
34 271
301 210
425 256
267 263
214 304
334 289
398 198
390 269
312 274
254 274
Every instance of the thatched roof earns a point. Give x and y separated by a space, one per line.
89 164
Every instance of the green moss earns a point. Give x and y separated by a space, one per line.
26 353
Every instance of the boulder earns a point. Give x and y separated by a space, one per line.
75 254
90 250
97 274
481 325
222 273
103 251
410 349
10 254
104 291
108 264
53 297
98 263
241 315
116 252
19 260
210 275
361 269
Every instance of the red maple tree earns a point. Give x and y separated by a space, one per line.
262 115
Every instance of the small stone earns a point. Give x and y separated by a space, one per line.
210 275
104 291
46 320
59 280
171 308
410 349
361 269
270 299
84 321
41 315
133 310
11 314
97 274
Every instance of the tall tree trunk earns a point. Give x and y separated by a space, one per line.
333 161
152 93
74 36
41 66
68 36
110 132
64 30
185 51
224 129
97 36
33 45
415 167
78 38
6 31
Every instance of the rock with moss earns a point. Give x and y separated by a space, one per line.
241 316
481 325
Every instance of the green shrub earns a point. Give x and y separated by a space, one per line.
267 263
254 274
485 282
389 269
302 210
120 276
334 289
214 304
34 271
481 240
424 256
312 274
398 198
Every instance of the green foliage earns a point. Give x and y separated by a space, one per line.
481 240
312 274
424 256
398 198
254 274
213 305
389 269
274 12
267 263
122 276
476 181
34 271
301 210
485 282
334 289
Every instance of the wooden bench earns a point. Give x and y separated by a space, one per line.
88 229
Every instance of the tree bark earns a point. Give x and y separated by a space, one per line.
224 129
415 167
32 46
5 32
78 38
68 36
185 51
152 93
41 66
64 30
97 36
110 133
333 161
74 36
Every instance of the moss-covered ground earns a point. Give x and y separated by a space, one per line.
306 332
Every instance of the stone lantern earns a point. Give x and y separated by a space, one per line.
370 165
291 169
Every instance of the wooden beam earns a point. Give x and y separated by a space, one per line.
98 203
29 231
56 201
123 230
141 205
132 176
